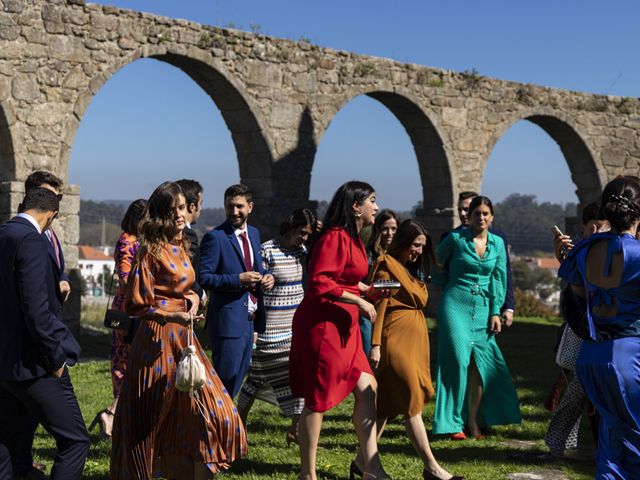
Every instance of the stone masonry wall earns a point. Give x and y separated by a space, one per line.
277 98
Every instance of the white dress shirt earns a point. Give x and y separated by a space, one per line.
252 306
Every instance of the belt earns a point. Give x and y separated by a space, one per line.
252 317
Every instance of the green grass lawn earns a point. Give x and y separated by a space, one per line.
527 347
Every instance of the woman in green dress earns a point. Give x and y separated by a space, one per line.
474 386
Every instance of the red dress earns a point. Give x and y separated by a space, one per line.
326 352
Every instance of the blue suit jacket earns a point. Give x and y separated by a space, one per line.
34 341
221 263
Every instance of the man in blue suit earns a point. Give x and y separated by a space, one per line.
36 346
24 466
231 269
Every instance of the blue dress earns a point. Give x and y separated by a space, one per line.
609 364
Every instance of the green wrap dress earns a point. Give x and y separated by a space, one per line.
473 291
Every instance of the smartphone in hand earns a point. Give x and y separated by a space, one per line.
385 284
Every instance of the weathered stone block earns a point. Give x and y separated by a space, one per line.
68 49
104 22
613 157
9 30
13 6
127 44
5 88
455 117
305 82
265 75
284 115
25 87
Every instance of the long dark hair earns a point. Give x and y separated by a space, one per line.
621 202
376 232
407 232
132 216
340 210
158 225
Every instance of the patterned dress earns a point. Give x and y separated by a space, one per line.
270 361
158 430
125 250
474 290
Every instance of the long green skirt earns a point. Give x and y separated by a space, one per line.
463 332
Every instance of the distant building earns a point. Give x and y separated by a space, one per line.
92 262
548 263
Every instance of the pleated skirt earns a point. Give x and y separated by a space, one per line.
162 432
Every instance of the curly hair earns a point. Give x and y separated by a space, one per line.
158 224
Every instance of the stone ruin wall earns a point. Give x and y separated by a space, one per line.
277 98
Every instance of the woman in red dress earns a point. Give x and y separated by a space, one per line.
327 361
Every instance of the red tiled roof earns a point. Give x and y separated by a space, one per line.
86 252
548 262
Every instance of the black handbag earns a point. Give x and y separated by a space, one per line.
115 319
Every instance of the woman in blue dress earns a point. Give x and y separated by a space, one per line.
605 270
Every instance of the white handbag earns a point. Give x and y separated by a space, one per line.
191 375
568 349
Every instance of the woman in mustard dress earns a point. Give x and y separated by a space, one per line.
474 386
400 341
158 430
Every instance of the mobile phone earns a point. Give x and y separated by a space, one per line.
556 230
386 284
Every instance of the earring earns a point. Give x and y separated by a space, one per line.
358 214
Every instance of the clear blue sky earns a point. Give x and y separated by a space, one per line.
151 122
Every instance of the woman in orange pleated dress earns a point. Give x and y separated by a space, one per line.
158 430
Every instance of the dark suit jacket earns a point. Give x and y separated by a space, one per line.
194 256
34 340
510 299
52 254
221 263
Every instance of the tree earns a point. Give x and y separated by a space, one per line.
534 279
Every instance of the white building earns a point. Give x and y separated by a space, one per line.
92 263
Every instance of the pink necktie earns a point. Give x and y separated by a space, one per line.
247 261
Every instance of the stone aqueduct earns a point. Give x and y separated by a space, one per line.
277 98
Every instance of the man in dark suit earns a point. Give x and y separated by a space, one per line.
231 269
192 191
24 465
36 346
464 200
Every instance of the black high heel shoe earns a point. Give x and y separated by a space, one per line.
354 471
427 475
100 419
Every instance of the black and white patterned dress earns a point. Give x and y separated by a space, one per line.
270 361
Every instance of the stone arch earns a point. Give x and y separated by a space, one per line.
585 174
7 158
244 121
437 173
